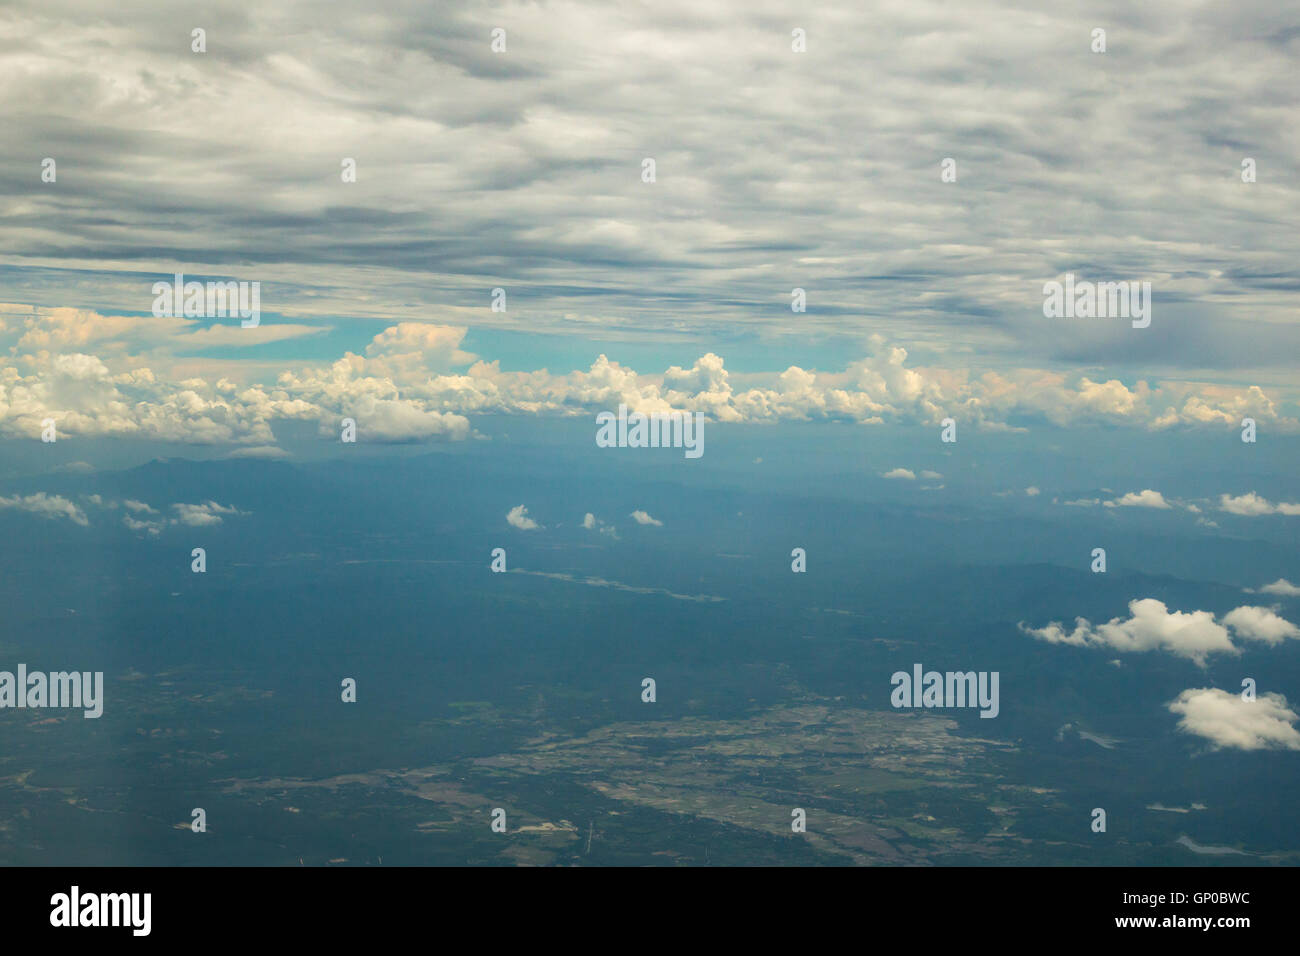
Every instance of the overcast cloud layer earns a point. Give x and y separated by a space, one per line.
522 170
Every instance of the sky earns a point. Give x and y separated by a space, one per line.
522 169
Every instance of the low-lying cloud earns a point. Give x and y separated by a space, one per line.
1228 721
1151 626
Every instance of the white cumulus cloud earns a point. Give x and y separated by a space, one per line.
47 506
1281 586
1251 505
1147 498
1152 626
1230 722
202 515
1260 624
518 518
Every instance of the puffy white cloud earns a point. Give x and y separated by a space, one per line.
874 390
592 523
86 398
46 506
1248 504
201 515
416 348
931 475
641 517
1281 586
1032 491
1229 721
403 389
1260 624
903 473
517 517
115 393
147 526
1252 505
76 330
1152 626
395 420
1147 498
